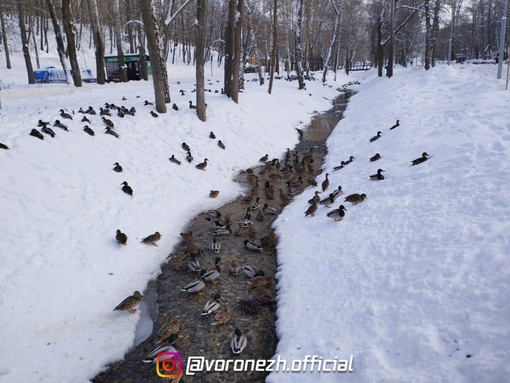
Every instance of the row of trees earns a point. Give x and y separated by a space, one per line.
278 35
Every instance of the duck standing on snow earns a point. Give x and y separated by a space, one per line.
37 134
418 161
121 237
189 157
221 144
355 198
325 183
238 342
337 214
107 130
174 160
186 147
191 106
87 130
109 123
154 114
375 157
202 165
117 168
378 176
328 201
130 303
152 239
127 189
212 135
48 131
376 137
311 210
214 193
175 107
397 124
63 114
3 146
58 124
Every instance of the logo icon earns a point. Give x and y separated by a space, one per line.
169 365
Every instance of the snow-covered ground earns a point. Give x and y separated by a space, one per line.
412 281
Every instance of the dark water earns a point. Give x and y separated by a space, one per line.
254 314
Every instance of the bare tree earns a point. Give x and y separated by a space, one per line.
4 38
297 43
336 8
58 38
229 47
275 43
118 38
98 41
238 47
24 41
71 44
200 58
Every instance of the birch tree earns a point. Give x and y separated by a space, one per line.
58 38
297 43
275 43
200 58
98 41
118 38
336 9
4 38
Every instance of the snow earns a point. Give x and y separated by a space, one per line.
410 282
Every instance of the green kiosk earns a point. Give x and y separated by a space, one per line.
133 63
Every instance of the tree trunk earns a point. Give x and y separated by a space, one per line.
98 41
151 32
199 57
4 38
380 50
275 42
297 43
24 41
389 67
427 34
229 46
238 53
71 47
58 38
118 38
435 32
333 41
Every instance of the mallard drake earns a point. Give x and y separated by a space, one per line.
223 231
212 305
63 114
130 303
85 119
117 168
397 124
191 106
3 146
338 192
221 317
111 132
167 349
264 159
337 214
186 147
355 198
287 172
87 130
418 161
325 183
269 210
221 145
212 136
58 124
375 157
256 204
202 165
37 134
215 246
252 245
174 160
104 112
152 239
290 189
252 272
378 176
238 342
315 198
376 137
298 182
195 285
121 237
194 264
154 114
214 193
189 157
175 107
213 274
328 201
48 131
214 213
169 328
311 210
127 189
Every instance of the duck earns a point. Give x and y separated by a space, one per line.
311 210
351 158
252 272
239 231
212 135
376 137
355 198
130 303
337 214
325 183
375 157
283 198
215 246
338 192
186 147
202 165
187 237
63 114
421 159
311 182
48 131
189 157
169 328
223 230
397 124
288 171
85 119
121 237
263 294
109 123
212 305
175 107
290 189
264 159
221 317
260 217
238 342
152 239
120 113
214 213
316 198
104 112
300 133
378 176
213 274
163 353
107 130
37 134
256 204
127 189
194 264
42 123
3 146
117 168
221 144
91 111
87 130
252 245
269 210
154 114
214 193
269 239
191 106
328 201
174 160
58 124
297 182
235 268
196 285
145 103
